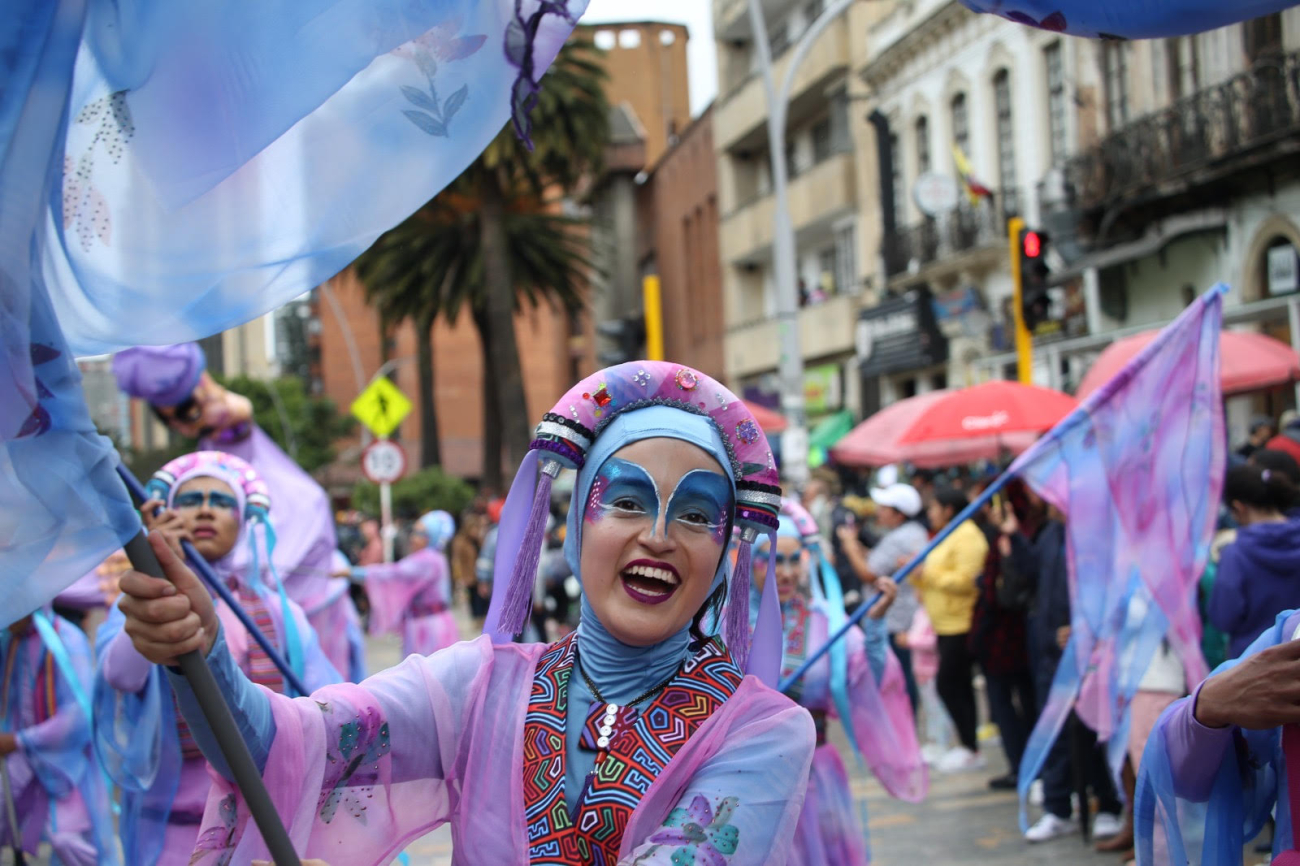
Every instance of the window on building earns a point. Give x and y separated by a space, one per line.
827 272
922 145
896 178
822 140
1006 132
1055 102
841 140
779 38
1263 37
846 259
961 123
791 157
1184 67
1115 57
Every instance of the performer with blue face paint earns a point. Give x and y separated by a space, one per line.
639 738
859 683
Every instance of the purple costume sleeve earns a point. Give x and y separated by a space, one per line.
1195 751
123 667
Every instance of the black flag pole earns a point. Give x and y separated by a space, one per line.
217 712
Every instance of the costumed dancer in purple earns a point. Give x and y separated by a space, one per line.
220 504
414 594
53 791
175 382
859 682
637 739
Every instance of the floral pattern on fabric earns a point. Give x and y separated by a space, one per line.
706 837
353 769
221 838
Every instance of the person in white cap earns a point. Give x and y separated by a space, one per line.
897 507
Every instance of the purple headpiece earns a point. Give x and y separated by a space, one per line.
161 375
563 440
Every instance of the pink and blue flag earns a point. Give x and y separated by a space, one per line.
1138 472
170 170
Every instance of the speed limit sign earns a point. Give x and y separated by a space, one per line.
383 461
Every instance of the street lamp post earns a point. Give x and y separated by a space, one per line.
794 442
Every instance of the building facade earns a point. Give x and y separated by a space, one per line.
830 175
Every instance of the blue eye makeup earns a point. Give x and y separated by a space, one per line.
622 487
702 501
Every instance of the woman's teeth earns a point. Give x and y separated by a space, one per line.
660 575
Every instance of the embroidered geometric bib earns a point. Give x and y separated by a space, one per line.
640 745
795 645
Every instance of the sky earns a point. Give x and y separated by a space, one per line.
697 15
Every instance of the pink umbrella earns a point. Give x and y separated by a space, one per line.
990 409
1249 362
875 442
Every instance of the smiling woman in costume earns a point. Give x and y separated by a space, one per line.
859 683
637 739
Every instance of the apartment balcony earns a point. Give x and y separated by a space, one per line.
1209 138
818 195
825 329
968 229
741 115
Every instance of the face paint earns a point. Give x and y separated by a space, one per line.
624 489
701 503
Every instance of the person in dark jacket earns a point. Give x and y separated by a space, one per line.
1258 572
999 641
1044 557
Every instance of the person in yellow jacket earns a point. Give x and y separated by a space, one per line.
949 587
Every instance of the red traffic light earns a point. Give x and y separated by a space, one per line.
1032 245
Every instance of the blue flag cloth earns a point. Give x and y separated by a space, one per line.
1138 471
226 156
1129 19
170 170
62 508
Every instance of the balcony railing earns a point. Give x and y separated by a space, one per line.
967 228
1202 132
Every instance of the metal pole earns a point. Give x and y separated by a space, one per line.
1024 341
386 530
794 441
213 704
652 302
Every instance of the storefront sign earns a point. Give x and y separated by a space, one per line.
822 393
900 334
1283 270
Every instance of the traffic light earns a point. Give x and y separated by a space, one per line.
627 336
1034 276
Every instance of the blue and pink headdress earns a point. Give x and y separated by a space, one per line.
828 593
563 440
249 561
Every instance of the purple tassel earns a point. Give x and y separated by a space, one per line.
519 598
736 626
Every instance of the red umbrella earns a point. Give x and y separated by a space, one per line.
991 409
770 421
1249 362
875 442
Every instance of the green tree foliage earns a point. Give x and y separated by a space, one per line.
427 490
306 427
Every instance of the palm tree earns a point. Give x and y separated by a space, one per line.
493 242
569 134
404 281
435 258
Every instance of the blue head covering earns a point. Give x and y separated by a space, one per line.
605 658
161 375
438 527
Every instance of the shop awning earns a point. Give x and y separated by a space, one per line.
1249 362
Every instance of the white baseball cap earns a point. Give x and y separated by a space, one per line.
902 497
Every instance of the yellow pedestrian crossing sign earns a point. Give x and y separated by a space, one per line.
381 407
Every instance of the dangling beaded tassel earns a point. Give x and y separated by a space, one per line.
519 599
736 626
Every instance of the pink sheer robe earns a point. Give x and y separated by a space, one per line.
358 772
413 595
